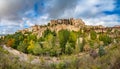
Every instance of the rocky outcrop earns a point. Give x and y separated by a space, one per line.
71 21
56 25
69 24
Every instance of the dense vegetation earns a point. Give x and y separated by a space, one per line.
56 44
109 61
101 51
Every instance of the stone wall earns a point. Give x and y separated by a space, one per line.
71 21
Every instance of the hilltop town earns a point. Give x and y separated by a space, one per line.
64 43
69 24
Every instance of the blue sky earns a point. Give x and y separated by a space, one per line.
19 14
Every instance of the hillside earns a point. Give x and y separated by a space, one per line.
69 24
64 44
108 61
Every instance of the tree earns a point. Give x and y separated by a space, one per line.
32 37
46 32
63 38
48 43
18 36
101 51
54 33
37 50
68 49
93 35
105 38
10 42
55 51
72 39
30 47
23 46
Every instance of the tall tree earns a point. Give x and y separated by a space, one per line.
63 38
93 35
68 49
72 39
30 47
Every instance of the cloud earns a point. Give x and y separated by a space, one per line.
13 12
78 8
9 9
106 20
8 27
19 14
15 9
93 8
58 7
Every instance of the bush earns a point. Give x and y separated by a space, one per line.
105 38
61 65
93 35
101 51
63 38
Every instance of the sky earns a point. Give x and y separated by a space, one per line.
19 14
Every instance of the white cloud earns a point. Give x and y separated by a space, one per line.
42 19
5 22
13 12
106 20
91 8
91 11
36 20
8 27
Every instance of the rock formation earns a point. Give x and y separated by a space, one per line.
69 24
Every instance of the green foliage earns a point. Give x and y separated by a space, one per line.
72 39
105 38
34 48
91 42
41 39
48 24
46 32
63 38
23 46
18 37
101 51
55 51
68 49
31 47
93 35
54 33
10 61
53 43
61 66
31 37
37 50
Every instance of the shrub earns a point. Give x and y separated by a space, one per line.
101 51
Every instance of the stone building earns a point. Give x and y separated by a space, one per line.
77 22
71 21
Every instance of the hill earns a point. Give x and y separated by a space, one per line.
65 42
